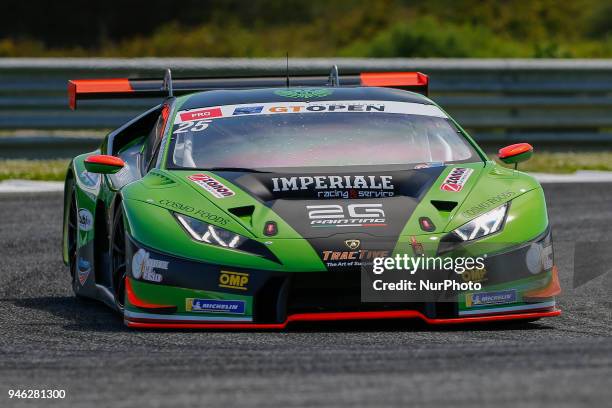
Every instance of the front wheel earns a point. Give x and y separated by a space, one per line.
118 259
73 239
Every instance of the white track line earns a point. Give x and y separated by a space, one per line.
581 176
30 186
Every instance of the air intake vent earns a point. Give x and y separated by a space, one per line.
155 179
244 213
445 206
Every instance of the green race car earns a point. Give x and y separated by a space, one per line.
257 202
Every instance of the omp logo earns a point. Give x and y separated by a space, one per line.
355 215
233 280
474 275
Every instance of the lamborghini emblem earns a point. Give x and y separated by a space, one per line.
352 244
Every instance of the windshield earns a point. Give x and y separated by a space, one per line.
295 135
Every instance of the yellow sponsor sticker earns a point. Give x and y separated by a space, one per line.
233 280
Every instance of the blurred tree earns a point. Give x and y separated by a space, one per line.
255 28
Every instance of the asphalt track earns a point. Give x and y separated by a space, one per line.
48 339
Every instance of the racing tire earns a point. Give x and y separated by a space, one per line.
73 239
118 249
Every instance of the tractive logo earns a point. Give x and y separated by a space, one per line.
456 179
212 185
352 215
199 114
304 92
233 280
337 259
144 267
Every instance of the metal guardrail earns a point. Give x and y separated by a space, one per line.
496 100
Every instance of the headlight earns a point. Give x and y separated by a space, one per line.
486 224
210 234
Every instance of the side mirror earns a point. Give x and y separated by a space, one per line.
103 164
516 153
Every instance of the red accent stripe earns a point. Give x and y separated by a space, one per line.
78 87
143 304
393 79
552 289
339 316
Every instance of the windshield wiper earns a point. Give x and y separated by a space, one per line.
240 169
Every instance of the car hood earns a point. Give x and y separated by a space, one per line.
316 205
330 212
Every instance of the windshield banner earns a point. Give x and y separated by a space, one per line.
217 112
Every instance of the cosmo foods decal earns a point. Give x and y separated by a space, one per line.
456 179
351 215
336 186
143 267
210 113
212 185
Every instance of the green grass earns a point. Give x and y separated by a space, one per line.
542 162
52 170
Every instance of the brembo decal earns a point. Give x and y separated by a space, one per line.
212 185
456 179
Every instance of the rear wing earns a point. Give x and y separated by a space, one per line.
81 89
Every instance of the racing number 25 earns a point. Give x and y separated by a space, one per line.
192 126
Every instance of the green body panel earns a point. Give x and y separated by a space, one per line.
156 228
102 168
518 158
